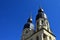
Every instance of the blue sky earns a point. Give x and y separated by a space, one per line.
14 14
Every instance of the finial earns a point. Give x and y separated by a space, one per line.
30 18
40 8
40 4
31 15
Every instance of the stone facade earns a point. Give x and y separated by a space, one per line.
42 31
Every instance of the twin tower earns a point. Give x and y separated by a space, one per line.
42 31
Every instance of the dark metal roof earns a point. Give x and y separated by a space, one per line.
27 25
40 10
40 14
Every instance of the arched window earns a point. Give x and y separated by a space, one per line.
44 37
50 38
42 22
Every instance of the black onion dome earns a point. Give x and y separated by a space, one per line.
29 24
40 14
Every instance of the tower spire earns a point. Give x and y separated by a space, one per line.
40 5
30 15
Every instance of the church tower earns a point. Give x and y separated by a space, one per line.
42 21
42 31
43 27
28 29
